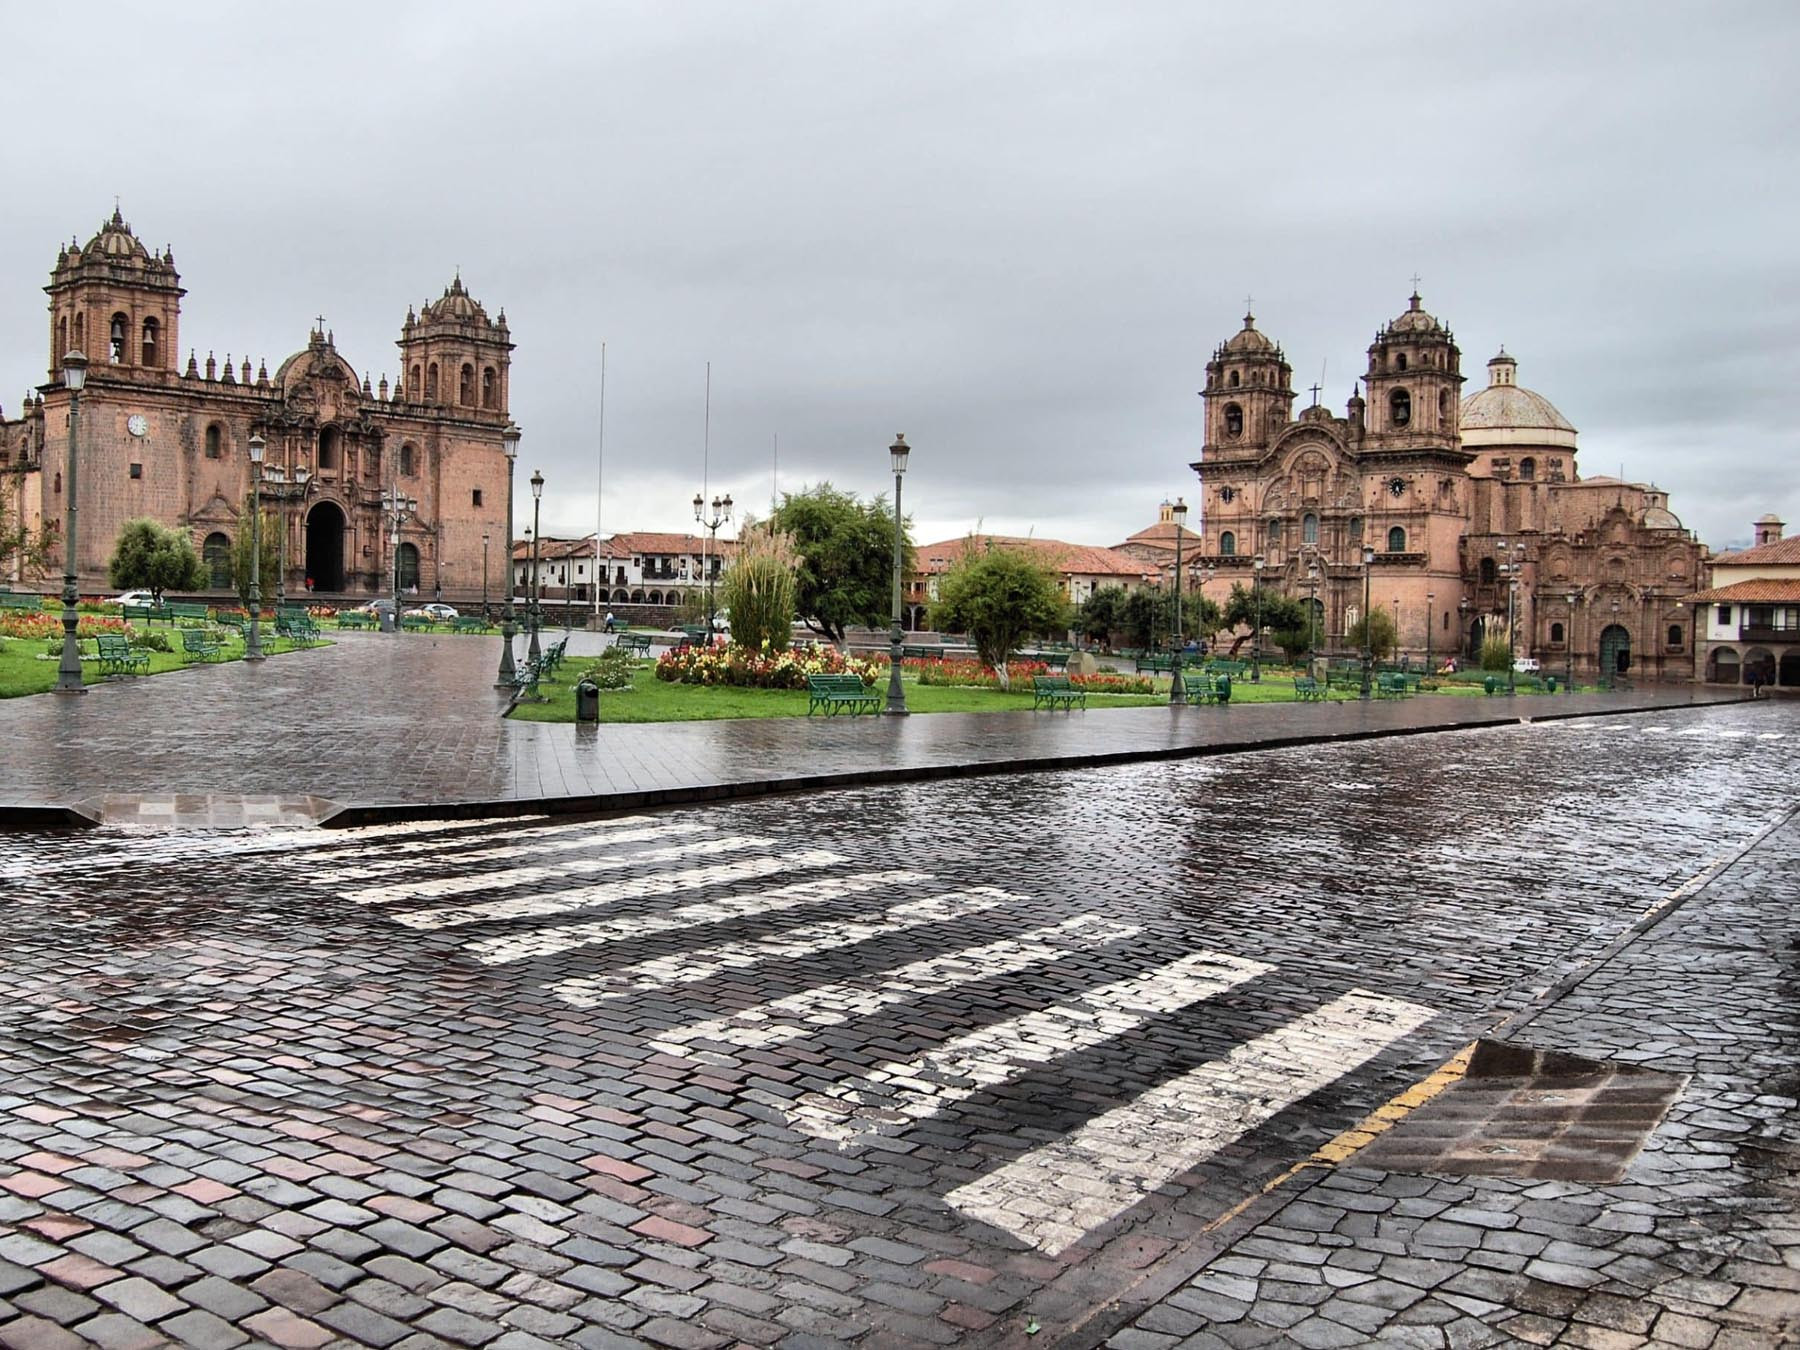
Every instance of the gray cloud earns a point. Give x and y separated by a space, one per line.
1014 232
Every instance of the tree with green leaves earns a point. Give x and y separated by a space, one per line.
270 562
998 596
1102 614
759 588
845 573
1147 617
1378 624
148 557
1282 616
21 547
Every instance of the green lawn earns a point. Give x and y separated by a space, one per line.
23 672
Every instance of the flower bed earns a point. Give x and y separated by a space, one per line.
972 674
44 624
759 670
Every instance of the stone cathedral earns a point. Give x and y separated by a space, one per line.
1470 511
168 439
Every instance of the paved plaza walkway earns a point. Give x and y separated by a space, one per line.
384 725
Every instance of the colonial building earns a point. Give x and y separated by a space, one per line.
1462 517
1081 569
642 567
157 439
1749 618
1155 545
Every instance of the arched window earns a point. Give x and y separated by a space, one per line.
328 448
406 564
1528 468
1396 540
115 345
80 334
431 383
412 384
409 463
1399 408
1400 361
1309 528
465 386
151 333
216 554
1675 636
1443 405
490 388
1234 420
1228 544
1487 572
62 336
1273 533
1356 528
1556 634
215 442
1234 380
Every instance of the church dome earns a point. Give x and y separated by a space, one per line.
455 305
1507 413
1249 342
116 241
1415 320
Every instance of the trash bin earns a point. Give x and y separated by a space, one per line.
1223 686
587 702
1550 684
387 620
1490 684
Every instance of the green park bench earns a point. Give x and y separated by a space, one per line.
1223 666
1155 663
1206 687
299 628
1391 685
119 657
469 623
349 618
928 652
416 623
638 643
552 655
1052 691
1307 690
832 694
197 646
178 610
696 635
140 613
237 623
1055 658
20 600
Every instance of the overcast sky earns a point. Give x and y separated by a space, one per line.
1013 232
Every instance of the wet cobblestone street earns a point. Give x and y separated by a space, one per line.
970 1062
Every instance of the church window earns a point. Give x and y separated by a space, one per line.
475 497
408 459
465 388
1556 634
1674 636
490 388
58 487
406 567
1724 616
1228 544
1528 468
1443 405
1396 540
1234 379
137 470
150 336
412 384
1227 494
1400 361
1309 528
1399 408
1488 572
1356 527
216 554
1273 534
1234 420
431 383
215 442
80 332
115 346
328 448
62 336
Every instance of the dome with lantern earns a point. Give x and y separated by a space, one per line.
1506 413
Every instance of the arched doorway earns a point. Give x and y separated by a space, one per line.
1615 651
324 558
215 554
1759 666
1723 667
406 568
1477 635
1790 669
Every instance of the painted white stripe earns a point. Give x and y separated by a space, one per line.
424 852
611 892
798 1015
442 857
550 941
688 967
1053 1196
434 887
857 1111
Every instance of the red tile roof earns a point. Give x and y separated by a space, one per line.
1781 551
1067 559
650 541
1782 591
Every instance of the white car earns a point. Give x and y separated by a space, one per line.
133 598
1525 665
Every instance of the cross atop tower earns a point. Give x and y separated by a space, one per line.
320 321
1315 394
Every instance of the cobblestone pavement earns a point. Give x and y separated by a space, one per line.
412 718
972 1062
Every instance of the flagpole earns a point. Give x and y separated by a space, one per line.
599 490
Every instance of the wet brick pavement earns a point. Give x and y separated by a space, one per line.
412 719
795 1071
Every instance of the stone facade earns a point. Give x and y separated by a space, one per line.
158 440
1469 512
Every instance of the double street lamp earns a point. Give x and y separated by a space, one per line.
1574 598
68 669
721 515
509 442
1256 571
1429 597
1312 610
532 613
1368 649
1177 690
284 488
253 645
484 576
896 698
399 509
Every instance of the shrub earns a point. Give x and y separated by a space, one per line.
759 589
613 670
761 669
1496 654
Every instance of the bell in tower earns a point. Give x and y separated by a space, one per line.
1414 381
1248 395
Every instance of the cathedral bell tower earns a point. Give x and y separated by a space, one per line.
1414 384
454 357
118 303
1248 398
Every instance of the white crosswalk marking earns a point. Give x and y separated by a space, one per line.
523 876
702 964
857 1110
550 941
428 852
612 892
1054 1195
797 1015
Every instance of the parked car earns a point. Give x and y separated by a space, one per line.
134 598
1525 665
436 612
376 607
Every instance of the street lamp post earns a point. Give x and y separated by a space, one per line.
721 514
1256 571
896 696
531 604
68 669
1430 618
484 576
509 441
1569 646
277 483
399 509
1368 648
1312 613
1509 571
253 646
1177 689
1612 671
